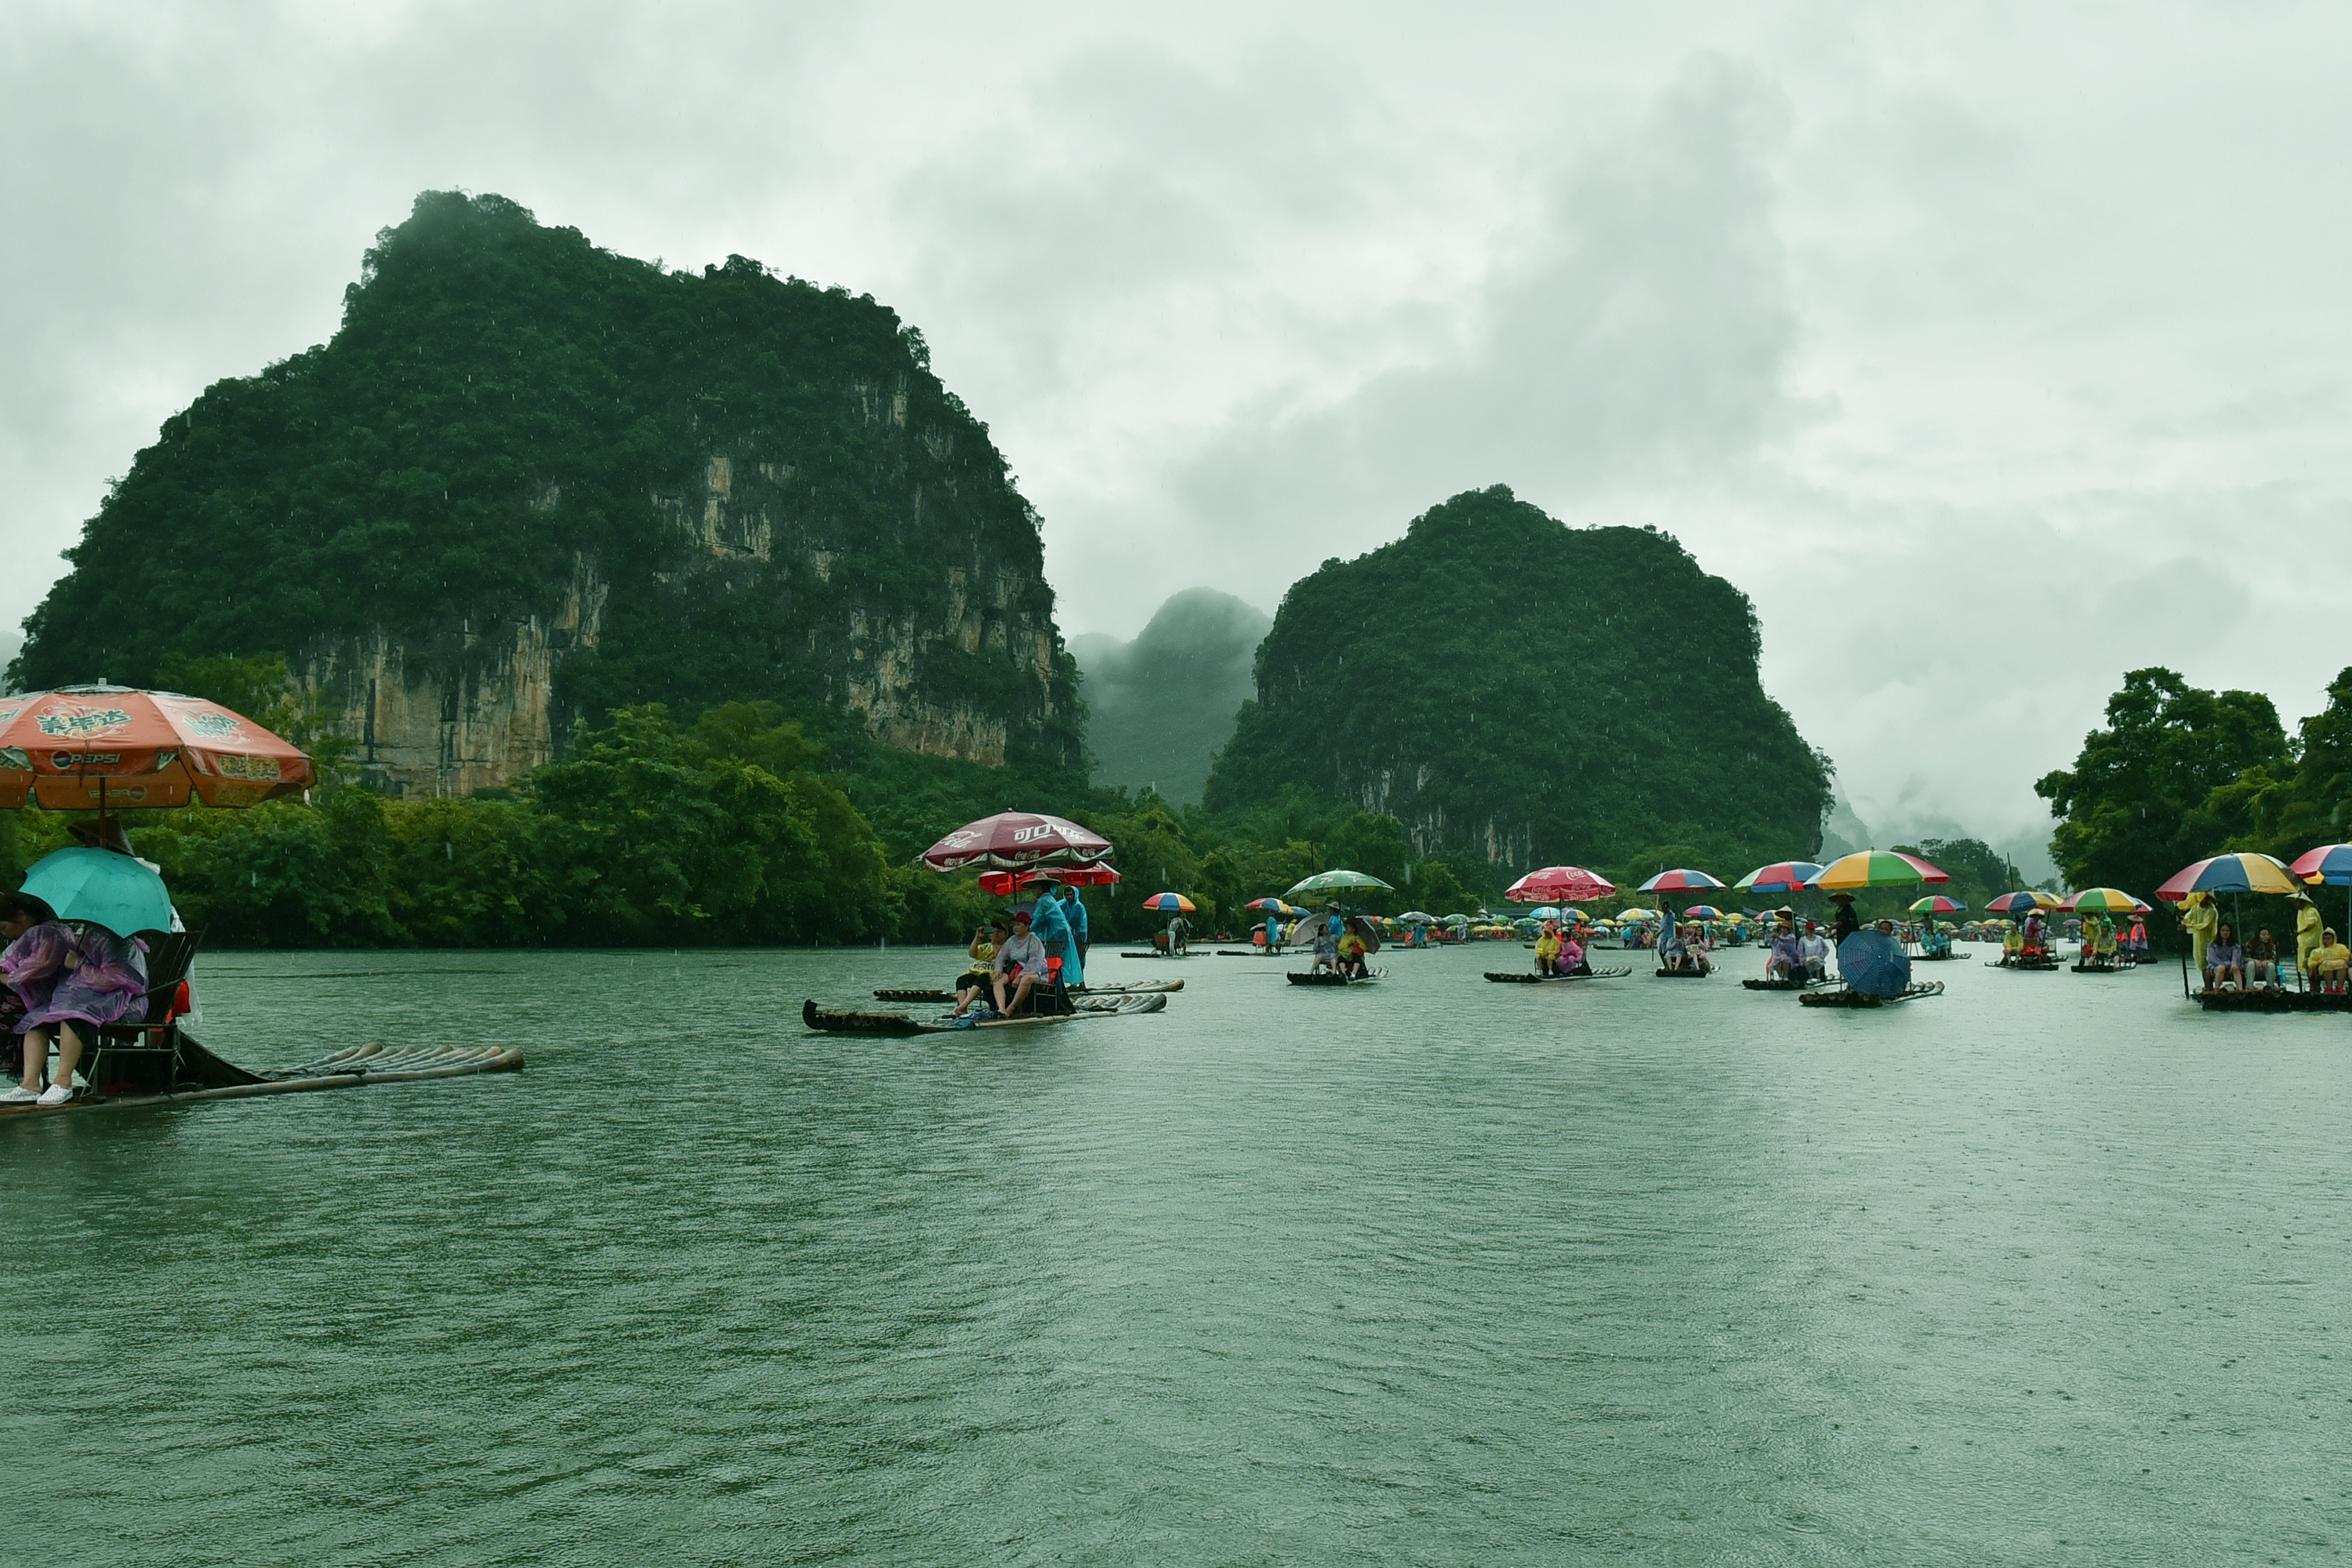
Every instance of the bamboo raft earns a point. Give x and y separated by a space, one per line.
1132 988
2040 965
2261 1001
1846 996
1521 977
1782 984
2079 967
1941 957
198 1075
827 1021
1686 973
1332 977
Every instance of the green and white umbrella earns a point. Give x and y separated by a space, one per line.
1328 885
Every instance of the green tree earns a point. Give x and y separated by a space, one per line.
2140 801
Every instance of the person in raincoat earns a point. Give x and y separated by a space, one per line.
1786 958
2094 929
1051 928
2198 917
20 914
1073 911
1547 949
2307 931
94 976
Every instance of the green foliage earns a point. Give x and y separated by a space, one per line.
1979 871
648 835
1522 694
2153 792
504 407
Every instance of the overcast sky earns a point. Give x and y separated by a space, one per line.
1993 350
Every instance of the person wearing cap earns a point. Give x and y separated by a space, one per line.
973 982
1846 924
1786 958
1817 952
1019 965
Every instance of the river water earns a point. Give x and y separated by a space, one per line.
2049 1268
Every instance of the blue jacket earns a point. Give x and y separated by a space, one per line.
1075 911
1050 925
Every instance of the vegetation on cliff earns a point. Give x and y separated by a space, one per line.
1517 692
505 405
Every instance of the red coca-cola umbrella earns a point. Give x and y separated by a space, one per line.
97 748
1559 884
1014 840
1090 876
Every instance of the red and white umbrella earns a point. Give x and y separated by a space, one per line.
1097 874
1559 884
90 748
1014 840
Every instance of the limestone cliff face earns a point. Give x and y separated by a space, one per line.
458 714
529 481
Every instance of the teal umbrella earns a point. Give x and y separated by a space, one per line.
102 886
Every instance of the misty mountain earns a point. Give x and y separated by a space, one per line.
1162 704
1843 831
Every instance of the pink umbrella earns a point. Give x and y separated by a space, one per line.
1012 840
1559 884
1681 880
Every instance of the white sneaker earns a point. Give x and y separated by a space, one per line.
19 1095
56 1094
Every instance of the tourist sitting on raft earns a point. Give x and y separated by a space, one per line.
70 980
1571 956
1817 952
2331 964
1785 960
1327 948
2225 961
1351 953
2263 960
977 981
1019 967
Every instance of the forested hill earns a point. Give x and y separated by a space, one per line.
1526 693
529 479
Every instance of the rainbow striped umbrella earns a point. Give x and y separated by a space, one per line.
1779 877
1702 912
1936 904
2330 864
2023 899
1176 902
2104 901
1681 880
2242 873
1876 868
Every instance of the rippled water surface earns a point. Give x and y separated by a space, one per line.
2051 1268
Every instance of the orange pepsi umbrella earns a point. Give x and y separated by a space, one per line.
96 748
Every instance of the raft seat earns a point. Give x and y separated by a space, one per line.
142 1057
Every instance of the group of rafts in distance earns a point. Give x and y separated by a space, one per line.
1038 854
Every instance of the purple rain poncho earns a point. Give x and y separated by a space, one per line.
107 986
